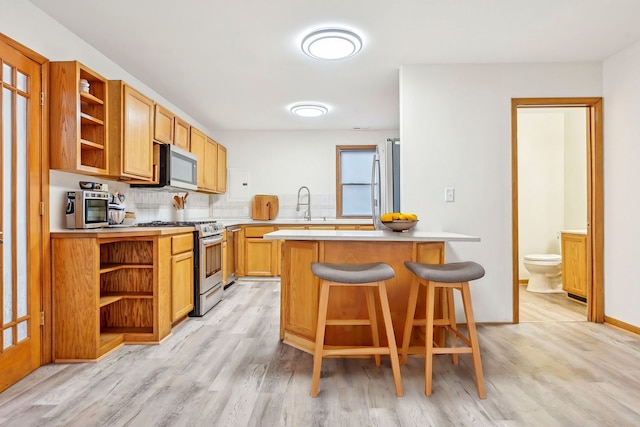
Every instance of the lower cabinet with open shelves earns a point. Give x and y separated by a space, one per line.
109 291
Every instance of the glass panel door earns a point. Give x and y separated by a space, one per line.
20 239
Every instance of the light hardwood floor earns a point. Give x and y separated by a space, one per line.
555 307
230 369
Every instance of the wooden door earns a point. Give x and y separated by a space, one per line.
181 134
181 285
20 193
137 147
221 170
210 162
164 125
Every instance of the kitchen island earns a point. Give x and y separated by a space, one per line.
300 288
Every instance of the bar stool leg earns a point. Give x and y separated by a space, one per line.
322 320
428 340
451 315
373 319
408 323
391 339
473 338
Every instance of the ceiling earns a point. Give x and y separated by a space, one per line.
237 64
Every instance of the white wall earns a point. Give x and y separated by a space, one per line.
280 162
621 176
455 127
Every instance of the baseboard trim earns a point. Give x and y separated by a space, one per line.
622 325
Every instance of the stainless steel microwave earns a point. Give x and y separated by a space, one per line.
178 169
87 209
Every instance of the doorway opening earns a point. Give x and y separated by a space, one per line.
587 222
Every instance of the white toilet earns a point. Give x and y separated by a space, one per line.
545 272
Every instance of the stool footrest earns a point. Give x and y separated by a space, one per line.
452 350
355 351
348 322
436 322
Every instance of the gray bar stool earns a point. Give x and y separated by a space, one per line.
448 277
369 276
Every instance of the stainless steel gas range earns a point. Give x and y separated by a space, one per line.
207 264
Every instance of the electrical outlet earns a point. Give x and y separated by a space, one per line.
449 194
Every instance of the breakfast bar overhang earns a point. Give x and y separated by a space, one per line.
300 288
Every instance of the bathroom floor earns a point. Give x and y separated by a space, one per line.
538 307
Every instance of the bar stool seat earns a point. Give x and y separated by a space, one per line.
369 276
447 277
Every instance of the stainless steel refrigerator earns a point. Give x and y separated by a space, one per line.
385 180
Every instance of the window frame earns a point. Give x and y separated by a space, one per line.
339 150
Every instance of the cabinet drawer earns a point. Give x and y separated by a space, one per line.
257 231
181 243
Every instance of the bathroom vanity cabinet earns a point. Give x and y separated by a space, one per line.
574 264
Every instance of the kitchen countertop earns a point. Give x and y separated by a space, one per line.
121 232
583 231
371 236
294 221
124 231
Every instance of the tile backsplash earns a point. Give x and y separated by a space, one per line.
152 205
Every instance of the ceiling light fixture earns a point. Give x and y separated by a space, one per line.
309 110
331 43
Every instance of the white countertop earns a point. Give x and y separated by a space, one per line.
584 231
371 236
297 221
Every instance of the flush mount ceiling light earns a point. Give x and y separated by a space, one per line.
331 43
309 110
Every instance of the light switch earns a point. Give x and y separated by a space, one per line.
449 194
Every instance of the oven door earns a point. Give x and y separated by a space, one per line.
96 211
210 272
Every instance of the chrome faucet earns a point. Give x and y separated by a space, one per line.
307 214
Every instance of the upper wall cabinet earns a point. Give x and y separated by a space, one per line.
131 122
182 134
164 125
171 129
212 163
198 141
78 119
221 170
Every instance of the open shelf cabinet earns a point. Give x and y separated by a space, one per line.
78 119
107 292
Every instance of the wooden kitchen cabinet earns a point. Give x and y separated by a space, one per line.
163 125
210 165
212 162
182 134
574 264
79 120
170 129
131 127
260 257
198 141
181 276
106 292
221 169
256 256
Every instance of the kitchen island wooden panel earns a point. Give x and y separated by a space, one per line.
300 289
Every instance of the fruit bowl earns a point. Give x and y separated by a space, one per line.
400 224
